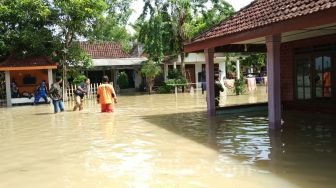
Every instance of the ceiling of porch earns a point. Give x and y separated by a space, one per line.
298 34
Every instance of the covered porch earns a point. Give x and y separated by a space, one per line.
111 67
26 75
285 30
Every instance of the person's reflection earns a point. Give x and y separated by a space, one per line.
327 83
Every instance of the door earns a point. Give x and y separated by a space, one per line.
190 74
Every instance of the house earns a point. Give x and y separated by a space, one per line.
300 38
109 59
27 74
195 63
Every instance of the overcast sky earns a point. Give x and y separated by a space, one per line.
137 6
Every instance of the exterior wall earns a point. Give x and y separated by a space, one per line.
19 75
287 62
198 59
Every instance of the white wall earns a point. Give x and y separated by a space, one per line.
198 59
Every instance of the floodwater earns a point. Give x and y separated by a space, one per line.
163 141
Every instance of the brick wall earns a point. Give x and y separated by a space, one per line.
287 62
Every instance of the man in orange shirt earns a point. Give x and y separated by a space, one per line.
327 84
105 94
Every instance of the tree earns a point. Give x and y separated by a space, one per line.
74 20
255 61
150 70
156 33
113 27
179 17
25 28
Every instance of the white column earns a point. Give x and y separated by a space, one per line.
238 69
165 67
222 67
273 75
198 68
8 89
174 64
210 80
50 77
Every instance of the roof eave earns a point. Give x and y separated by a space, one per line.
311 20
28 68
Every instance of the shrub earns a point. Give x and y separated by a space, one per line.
123 80
79 79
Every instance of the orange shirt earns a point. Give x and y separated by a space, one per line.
326 79
105 93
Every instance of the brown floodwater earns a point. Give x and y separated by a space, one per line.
164 141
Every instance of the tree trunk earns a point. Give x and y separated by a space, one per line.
149 85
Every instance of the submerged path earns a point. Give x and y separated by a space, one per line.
152 141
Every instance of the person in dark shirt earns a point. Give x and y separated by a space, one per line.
80 92
218 88
14 90
56 95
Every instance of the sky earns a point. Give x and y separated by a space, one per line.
137 7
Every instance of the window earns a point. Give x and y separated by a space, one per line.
303 79
323 71
314 74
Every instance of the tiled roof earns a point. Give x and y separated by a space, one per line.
108 50
41 61
261 13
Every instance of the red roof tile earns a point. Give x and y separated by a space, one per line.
42 61
261 13
104 50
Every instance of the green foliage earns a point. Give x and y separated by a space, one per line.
171 22
79 79
240 86
150 70
46 27
221 10
254 60
166 88
123 80
113 27
174 74
24 28
76 18
157 33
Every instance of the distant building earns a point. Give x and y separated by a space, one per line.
109 59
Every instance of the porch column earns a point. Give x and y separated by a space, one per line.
273 75
198 69
222 67
238 69
50 77
165 67
210 80
8 89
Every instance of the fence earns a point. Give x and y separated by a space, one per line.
71 89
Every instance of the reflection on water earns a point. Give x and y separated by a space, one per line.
303 152
163 141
